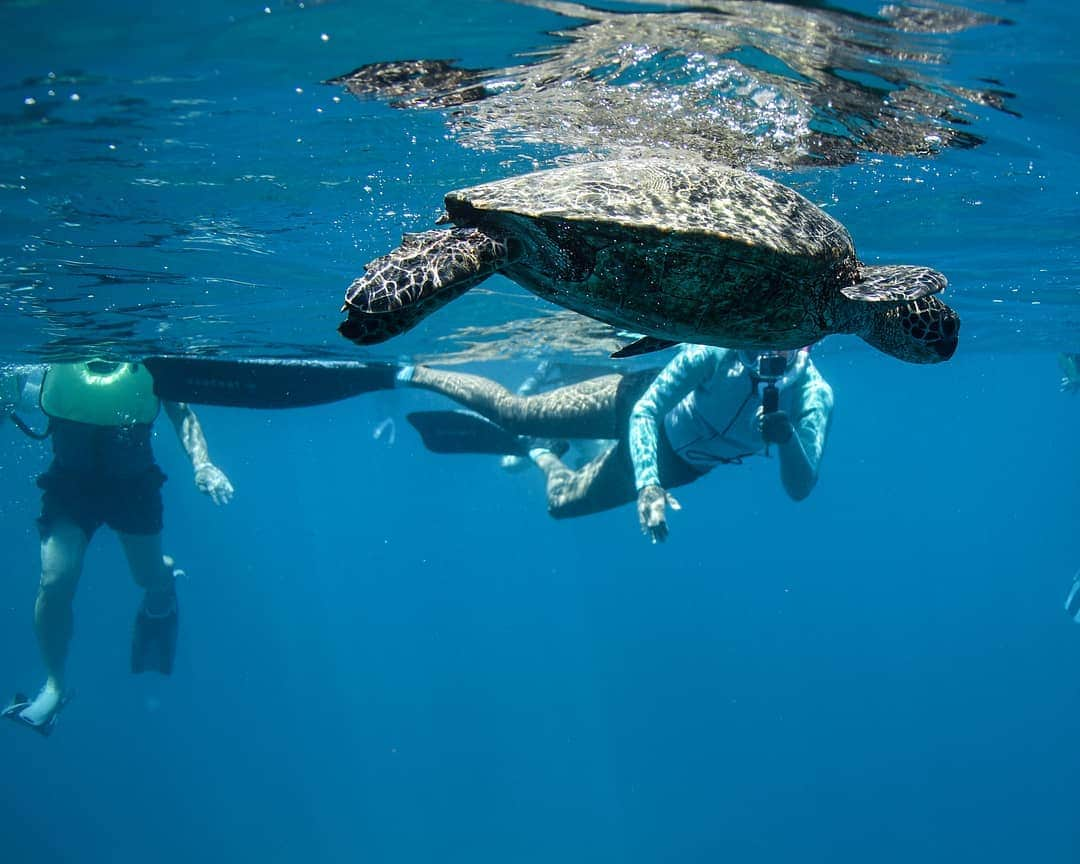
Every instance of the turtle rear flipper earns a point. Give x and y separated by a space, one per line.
895 284
644 345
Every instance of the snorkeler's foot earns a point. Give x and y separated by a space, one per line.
513 463
153 638
557 447
517 462
39 713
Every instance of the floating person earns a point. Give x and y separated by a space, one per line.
679 250
385 431
1070 366
1072 599
709 406
103 472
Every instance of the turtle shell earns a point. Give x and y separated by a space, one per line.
684 248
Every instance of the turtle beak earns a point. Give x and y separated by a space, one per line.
364 329
949 328
946 347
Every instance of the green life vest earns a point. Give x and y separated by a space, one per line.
122 394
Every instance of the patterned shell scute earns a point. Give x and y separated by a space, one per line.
682 197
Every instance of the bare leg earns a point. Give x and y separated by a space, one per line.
153 571
62 553
605 482
150 569
583 410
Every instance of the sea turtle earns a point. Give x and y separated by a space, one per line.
677 249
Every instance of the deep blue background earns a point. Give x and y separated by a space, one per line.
393 657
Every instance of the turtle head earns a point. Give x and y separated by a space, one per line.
923 330
424 273
897 312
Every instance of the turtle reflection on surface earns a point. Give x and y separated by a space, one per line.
749 84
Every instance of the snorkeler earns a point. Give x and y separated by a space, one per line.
100 416
707 407
1070 365
1072 599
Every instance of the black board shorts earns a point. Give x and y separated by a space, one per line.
129 503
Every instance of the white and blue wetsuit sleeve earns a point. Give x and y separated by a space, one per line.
693 365
813 416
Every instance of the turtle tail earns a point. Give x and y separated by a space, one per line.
424 273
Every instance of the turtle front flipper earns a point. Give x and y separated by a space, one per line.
895 282
424 273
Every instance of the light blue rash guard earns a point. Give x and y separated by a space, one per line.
705 399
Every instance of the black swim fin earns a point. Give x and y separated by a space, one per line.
463 431
153 640
266 383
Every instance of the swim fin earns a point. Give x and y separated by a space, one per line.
265 383
16 711
462 431
153 640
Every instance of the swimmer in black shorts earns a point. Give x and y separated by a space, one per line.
103 472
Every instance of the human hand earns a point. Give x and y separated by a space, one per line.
212 481
1070 385
651 506
776 427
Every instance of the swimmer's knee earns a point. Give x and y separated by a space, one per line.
560 507
158 576
58 582
62 550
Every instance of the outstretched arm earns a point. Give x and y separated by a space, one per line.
210 479
800 455
689 368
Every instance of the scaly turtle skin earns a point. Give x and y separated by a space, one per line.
682 251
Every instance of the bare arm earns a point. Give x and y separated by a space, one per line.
210 479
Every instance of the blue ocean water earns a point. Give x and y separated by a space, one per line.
392 656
